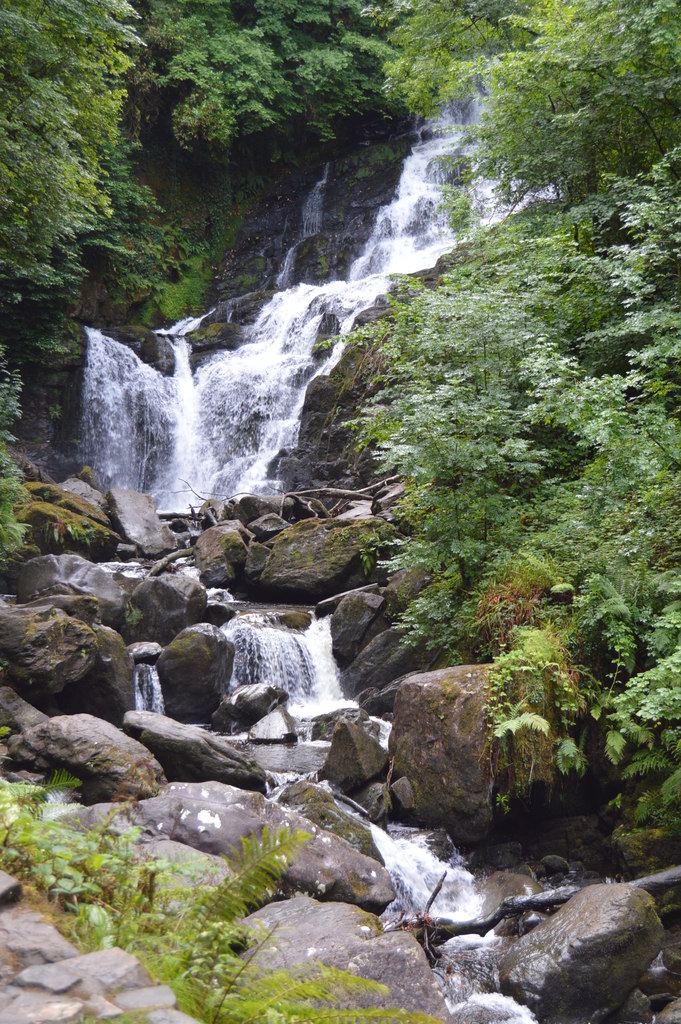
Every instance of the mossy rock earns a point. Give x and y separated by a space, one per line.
317 558
645 851
60 522
318 806
226 336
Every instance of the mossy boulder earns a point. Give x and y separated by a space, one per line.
221 554
645 851
355 757
319 806
44 649
194 670
581 964
161 606
438 740
107 691
60 522
108 763
320 557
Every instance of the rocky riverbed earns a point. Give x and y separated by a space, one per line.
248 617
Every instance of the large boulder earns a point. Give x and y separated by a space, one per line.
246 705
189 754
85 490
134 516
44 649
355 757
580 965
318 805
220 554
108 763
438 740
194 670
213 818
61 522
381 661
108 690
318 557
345 937
161 606
276 727
71 574
355 621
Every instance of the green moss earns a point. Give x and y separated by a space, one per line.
56 530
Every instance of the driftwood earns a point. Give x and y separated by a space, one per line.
174 556
342 493
439 930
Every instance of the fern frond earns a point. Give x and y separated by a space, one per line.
255 871
60 779
614 746
528 720
670 790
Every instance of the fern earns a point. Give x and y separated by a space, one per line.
526 720
615 744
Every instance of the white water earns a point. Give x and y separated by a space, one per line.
220 427
148 695
300 662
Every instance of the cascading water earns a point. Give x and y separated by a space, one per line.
220 428
300 662
148 695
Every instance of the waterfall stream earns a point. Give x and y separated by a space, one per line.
221 426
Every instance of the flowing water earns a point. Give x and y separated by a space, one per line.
218 429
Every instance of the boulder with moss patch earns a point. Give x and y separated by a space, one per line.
319 557
60 522
438 740
44 649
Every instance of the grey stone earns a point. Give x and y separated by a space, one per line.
345 937
55 977
213 817
439 733
355 622
134 516
107 762
170 1017
39 1008
581 964
671 1013
145 652
189 754
16 713
195 670
267 527
355 757
246 705
71 574
276 727
108 690
44 649
317 804
76 486
163 606
495 889
153 997
383 660
220 554
318 557
31 939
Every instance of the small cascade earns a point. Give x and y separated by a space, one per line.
311 224
301 663
148 695
415 871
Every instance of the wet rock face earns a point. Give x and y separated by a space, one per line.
134 515
71 574
438 736
581 964
44 649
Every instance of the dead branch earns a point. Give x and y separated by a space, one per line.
174 556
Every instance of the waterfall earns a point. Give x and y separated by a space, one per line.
148 695
311 224
301 663
220 428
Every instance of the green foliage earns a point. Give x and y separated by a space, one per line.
189 932
534 700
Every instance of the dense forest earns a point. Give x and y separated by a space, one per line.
531 401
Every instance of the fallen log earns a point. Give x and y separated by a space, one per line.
439 929
174 556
